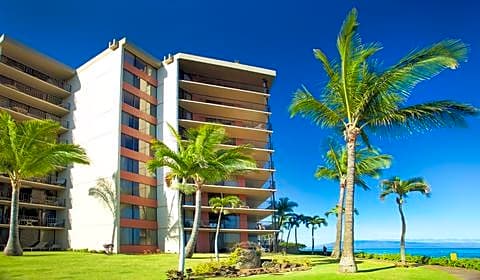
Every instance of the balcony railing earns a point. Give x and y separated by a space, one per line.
30 111
52 180
28 198
225 121
223 101
268 164
221 82
188 223
33 72
31 91
36 221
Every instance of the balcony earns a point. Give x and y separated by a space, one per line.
222 82
25 93
29 199
225 226
35 73
23 111
185 115
35 221
222 100
254 212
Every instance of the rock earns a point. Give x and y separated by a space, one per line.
248 258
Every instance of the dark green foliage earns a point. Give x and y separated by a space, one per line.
292 245
443 261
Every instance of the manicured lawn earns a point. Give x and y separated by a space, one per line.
70 265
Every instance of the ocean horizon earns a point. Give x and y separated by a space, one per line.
463 249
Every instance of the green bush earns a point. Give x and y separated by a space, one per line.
291 245
443 261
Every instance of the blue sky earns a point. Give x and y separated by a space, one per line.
281 35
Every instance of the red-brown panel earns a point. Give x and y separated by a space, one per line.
131 223
137 134
138 178
243 236
137 113
140 73
243 221
137 249
135 91
134 155
131 199
203 243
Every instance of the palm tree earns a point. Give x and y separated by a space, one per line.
283 207
202 162
105 192
315 221
295 221
401 189
218 205
359 98
369 163
30 149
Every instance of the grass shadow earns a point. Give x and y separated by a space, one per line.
376 269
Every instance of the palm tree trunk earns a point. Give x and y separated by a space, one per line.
181 235
347 261
113 233
288 237
277 234
217 233
192 241
402 237
338 237
313 238
296 243
13 247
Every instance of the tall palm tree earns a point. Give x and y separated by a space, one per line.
206 163
218 206
105 192
359 97
316 222
30 149
369 163
401 189
295 221
283 207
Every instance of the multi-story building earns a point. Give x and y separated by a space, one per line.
121 100
34 86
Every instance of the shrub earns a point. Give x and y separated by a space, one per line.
442 261
291 245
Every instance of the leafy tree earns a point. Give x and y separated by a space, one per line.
202 162
30 149
218 206
105 192
283 206
369 163
399 188
359 97
315 222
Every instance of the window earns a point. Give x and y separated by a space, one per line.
131 79
139 83
128 164
137 189
129 142
129 58
129 120
131 99
138 212
137 236
139 64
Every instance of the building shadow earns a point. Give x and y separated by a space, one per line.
376 269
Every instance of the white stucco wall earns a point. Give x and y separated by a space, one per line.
96 117
167 110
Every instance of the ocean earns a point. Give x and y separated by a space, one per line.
464 249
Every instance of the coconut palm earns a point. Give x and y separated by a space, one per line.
218 205
204 163
104 191
369 163
283 207
359 97
316 222
401 189
30 149
295 221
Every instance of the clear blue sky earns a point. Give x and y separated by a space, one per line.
281 35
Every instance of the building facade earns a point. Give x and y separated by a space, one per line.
119 101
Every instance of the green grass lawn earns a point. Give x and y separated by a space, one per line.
71 265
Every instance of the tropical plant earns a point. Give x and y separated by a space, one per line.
218 205
202 162
401 189
359 97
316 222
294 221
368 163
29 149
283 206
104 191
